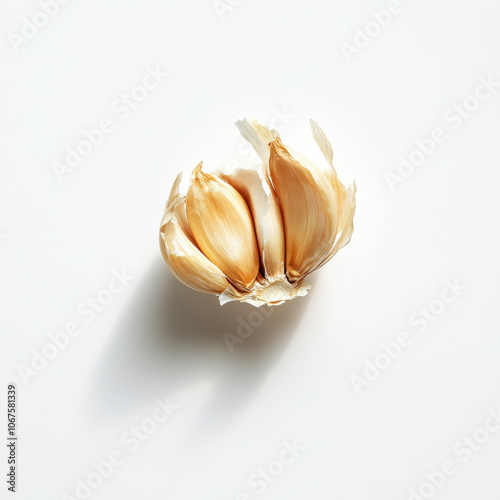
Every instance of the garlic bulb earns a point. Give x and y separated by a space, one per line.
254 234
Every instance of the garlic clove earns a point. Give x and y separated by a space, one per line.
308 207
251 183
222 226
186 262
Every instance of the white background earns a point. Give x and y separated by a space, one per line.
291 379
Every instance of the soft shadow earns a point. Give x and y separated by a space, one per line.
172 337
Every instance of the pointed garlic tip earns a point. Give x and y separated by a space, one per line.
259 136
184 259
222 226
308 207
175 189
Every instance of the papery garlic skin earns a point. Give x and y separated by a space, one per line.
253 234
